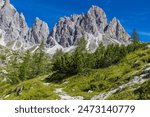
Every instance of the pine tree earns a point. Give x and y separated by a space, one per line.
40 61
24 69
13 69
99 56
82 44
135 36
77 61
58 53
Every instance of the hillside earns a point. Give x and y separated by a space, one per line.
129 79
84 56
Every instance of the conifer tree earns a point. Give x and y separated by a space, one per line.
77 61
135 36
99 56
82 44
13 69
24 69
40 61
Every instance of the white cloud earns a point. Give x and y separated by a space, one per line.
144 33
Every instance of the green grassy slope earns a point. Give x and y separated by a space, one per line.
89 83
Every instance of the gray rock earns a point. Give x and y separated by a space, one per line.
147 47
66 33
19 90
64 96
136 64
116 31
39 31
12 23
17 30
93 26
147 70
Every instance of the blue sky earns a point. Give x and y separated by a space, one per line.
131 13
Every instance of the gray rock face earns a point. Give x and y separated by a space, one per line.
39 31
66 33
69 30
116 31
12 23
95 20
93 26
16 29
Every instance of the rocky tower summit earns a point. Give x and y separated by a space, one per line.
93 26
66 33
17 33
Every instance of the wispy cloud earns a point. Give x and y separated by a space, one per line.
144 33
142 13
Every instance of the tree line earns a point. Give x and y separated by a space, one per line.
29 66
67 64
62 65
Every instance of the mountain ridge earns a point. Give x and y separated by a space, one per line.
66 33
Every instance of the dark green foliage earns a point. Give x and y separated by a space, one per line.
134 46
135 36
106 56
68 64
29 66
13 69
56 77
40 61
99 56
77 63
61 64
71 64
58 53
89 60
13 75
24 69
82 45
144 91
74 63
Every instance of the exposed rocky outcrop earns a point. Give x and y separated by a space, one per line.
39 31
66 33
17 32
64 96
116 31
69 30
12 23
93 26
145 76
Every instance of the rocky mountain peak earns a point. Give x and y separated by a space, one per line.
17 32
97 17
12 23
69 30
66 33
39 31
116 31
96 11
